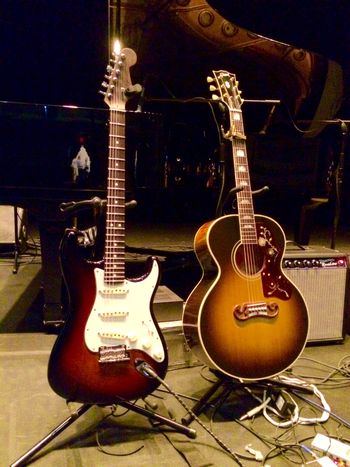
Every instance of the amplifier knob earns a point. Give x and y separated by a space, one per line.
307 263
297 263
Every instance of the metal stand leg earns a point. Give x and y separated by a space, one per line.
41 444
202 404
16 245
191 433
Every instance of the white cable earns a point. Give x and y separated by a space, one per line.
295 416
292 421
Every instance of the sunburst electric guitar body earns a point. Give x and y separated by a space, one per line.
111 328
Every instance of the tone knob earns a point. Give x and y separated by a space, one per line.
158 355
146 343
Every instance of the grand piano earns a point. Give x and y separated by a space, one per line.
182 42
53 163
38 145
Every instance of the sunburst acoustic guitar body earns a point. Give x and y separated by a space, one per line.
244 318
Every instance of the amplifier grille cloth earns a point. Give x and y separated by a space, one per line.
324 293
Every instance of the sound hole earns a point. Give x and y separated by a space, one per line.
248 259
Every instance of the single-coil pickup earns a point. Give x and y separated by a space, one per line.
113 291
254 310
118 336
113 314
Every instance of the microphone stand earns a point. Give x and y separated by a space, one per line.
339 171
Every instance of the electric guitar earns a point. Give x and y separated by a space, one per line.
111 327
244 318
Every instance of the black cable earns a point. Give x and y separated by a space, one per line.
147 370
319 406
97 436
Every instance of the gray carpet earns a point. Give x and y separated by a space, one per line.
30 409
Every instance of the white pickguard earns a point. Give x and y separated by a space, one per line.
121 316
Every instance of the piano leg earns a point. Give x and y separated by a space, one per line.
50 238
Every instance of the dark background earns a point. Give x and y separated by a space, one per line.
317 25
55 51
52 51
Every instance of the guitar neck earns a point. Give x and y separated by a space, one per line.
241 169
114 268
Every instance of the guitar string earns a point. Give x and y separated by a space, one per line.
115 248
244 199
228 87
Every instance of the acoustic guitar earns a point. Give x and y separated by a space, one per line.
244 318
111 327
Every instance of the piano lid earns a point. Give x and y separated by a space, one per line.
59 54
318 26
184 40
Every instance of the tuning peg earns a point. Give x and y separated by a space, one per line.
210 79
106 94
212 88
104 84
215 97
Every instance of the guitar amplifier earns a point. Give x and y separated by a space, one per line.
321 275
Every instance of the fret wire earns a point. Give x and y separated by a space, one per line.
241 170
115 222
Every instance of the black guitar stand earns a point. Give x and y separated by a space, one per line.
71 209
226 384
177 259
153 416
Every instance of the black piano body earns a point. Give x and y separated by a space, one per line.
176 169
51 154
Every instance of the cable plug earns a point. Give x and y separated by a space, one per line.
145 369
257 454
255 410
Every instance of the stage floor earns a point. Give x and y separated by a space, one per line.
30 409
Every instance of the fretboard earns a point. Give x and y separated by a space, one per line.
114 268
244 197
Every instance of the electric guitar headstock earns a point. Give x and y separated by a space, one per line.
119 88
